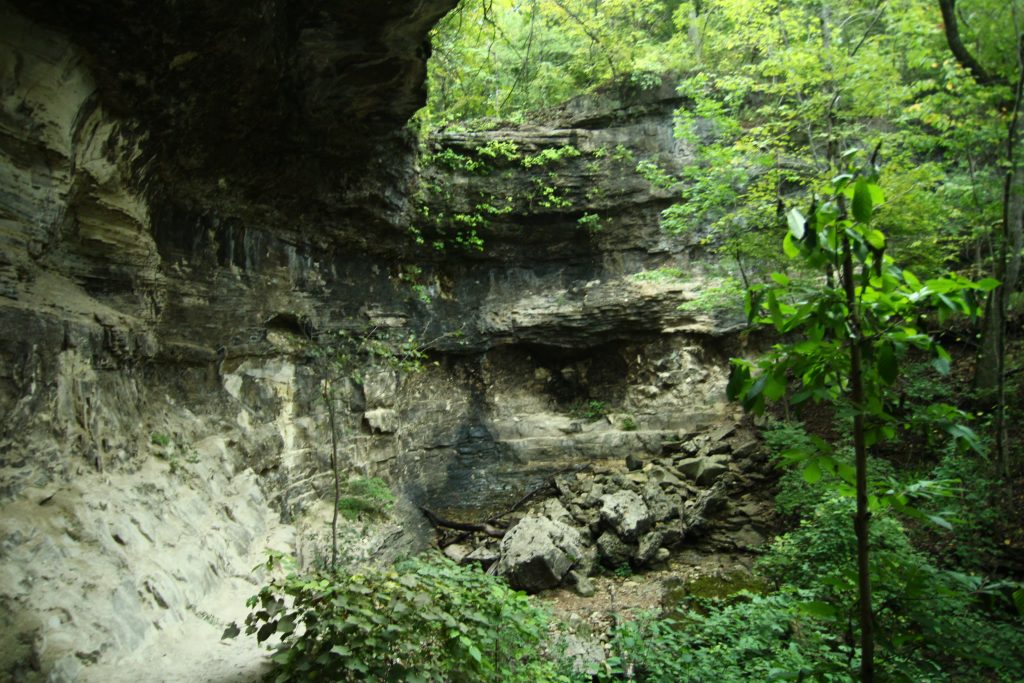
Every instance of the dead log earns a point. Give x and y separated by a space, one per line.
484 528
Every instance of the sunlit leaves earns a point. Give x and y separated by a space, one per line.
880 319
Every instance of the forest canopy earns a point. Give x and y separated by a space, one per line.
775 91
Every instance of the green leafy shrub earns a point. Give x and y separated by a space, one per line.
550 155
422 620
979 516
931 624
650 171
591 410
590 222
929 621
758 638
365 497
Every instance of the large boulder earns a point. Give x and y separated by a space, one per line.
626 513
613 550
662 504
648 547
538 552
704 469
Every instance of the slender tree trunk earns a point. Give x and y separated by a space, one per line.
862 520
696 35
332 418
990 372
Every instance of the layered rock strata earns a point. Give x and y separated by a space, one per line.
193 198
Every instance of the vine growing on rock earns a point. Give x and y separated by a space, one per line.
445 218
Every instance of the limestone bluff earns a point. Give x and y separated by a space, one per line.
183 187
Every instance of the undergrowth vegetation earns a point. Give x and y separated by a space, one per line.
933 624
423 619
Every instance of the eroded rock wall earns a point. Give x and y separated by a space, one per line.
191 194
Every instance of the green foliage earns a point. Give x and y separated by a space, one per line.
782 88
934 625
446 219
853 335
413 276
550 156
421 620
623 571
591 222
654 174
458 162
756 638
924 616
159 439
504 149
976 509
365 498
664 274
724 296
887 304
591 410
500 58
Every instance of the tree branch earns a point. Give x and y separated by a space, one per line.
956 46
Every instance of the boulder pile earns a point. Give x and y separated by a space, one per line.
631 515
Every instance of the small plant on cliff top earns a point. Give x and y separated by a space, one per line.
421 620
591 410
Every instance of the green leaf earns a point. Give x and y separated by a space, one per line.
775 388
781 279
875 238
776 311
792 455
819 609
266 631
797 223
231 631
936 519
738 377
987 285
888 368
812 472
788 248
877 195
1018 600
862 203
807 346
941 285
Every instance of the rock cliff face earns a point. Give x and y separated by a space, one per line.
191 195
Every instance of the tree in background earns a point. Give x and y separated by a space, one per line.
777 89
501 58
995 62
